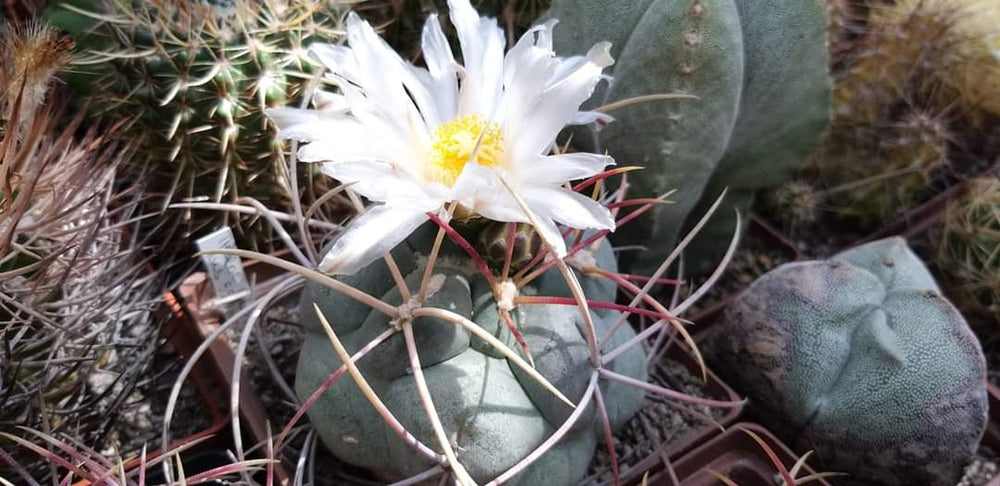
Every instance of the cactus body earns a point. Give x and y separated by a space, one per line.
760 72
861 358
491 410
193 80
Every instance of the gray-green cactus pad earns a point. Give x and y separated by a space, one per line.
760 71
861 358
491 410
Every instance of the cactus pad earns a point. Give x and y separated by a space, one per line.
759 70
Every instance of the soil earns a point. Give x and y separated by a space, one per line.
660 421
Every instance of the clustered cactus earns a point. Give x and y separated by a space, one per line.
76 305
861 358
760 73
193 79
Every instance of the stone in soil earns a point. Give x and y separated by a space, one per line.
981 470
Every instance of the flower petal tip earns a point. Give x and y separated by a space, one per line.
600 54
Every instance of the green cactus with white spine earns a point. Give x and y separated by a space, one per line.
861 358
193 80
492 411
760 72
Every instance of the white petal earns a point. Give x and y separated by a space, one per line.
370 236
482 42
339 60
442 68
307 132
342 149
568 207
287 117
382 76
332 103
526 71
549 232
558 105
558 169
473 180
538 38
588 117
384 182
437 50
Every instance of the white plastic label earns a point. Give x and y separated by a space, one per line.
225 271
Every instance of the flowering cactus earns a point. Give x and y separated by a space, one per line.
861 358
424 141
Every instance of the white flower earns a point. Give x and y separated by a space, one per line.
404 135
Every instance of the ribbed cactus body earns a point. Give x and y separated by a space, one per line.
759 70
492 411
192 80
861 358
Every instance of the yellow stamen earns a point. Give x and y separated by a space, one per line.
455 141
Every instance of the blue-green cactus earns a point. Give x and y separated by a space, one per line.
861 358
491 410
760 71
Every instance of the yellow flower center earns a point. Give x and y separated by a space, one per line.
454 142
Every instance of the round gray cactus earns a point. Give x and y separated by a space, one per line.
861 358
493 412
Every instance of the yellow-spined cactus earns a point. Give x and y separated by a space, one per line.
878 169
967 33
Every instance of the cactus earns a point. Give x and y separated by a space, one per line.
794 202
968 249
493 412
193 79
863 359
959 40
925 73
76 309
881 167
760 72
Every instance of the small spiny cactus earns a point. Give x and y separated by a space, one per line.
76 309
794 202
193 79
861 358
968 248
883 166
960 50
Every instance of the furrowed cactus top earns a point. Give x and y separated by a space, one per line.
492 411
861 358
